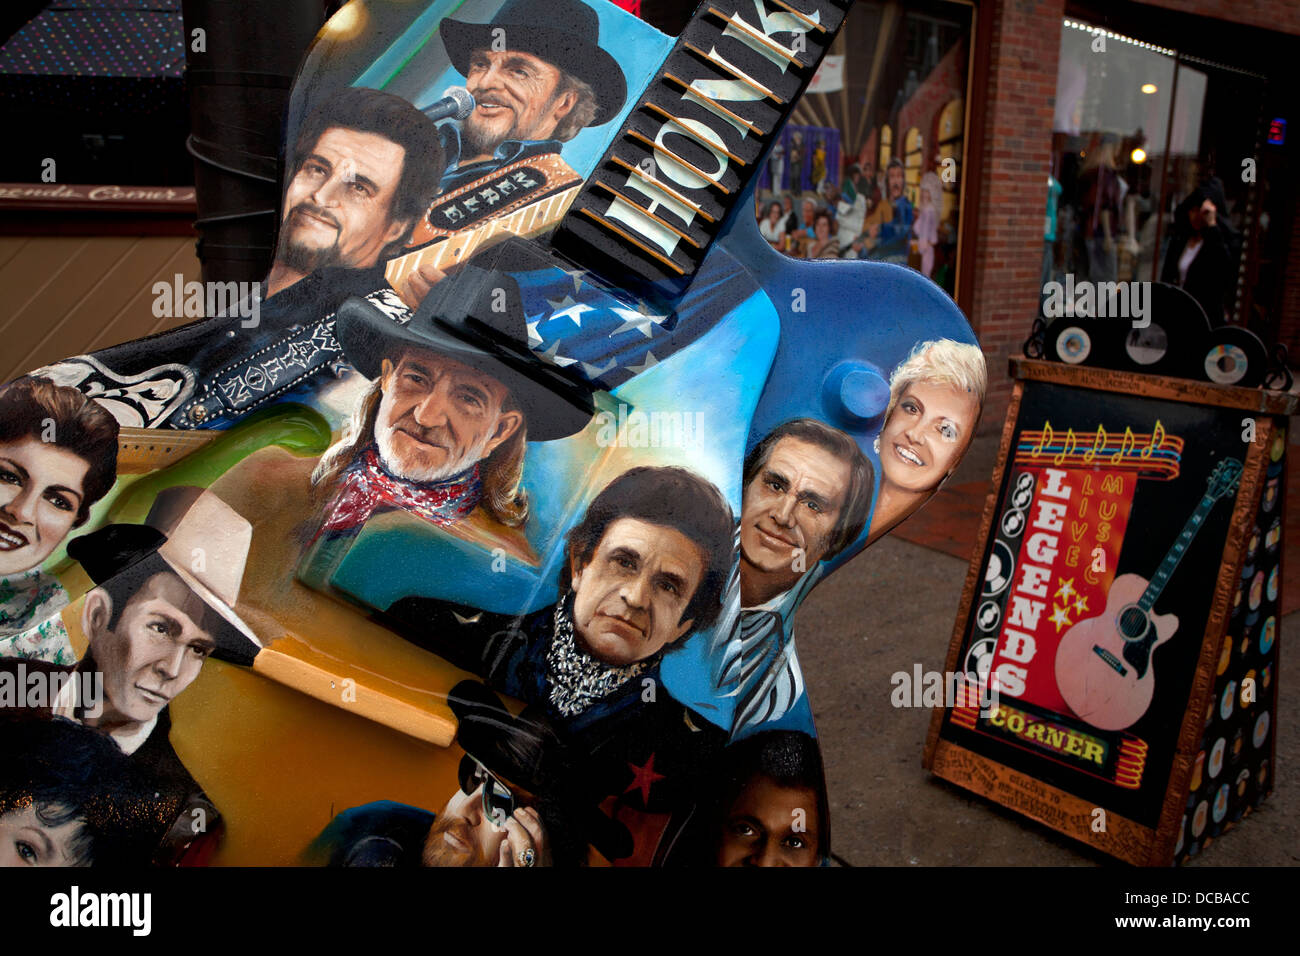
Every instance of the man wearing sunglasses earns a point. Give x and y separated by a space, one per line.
519 803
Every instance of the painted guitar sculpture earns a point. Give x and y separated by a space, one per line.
544 475
1104 666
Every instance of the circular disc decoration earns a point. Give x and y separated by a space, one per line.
1270 494
1243 780
1266 634
1148 345
989 616
1073 345
1001 567
1261 730
1234 356
1221 804
1225 705
979 658
1216 757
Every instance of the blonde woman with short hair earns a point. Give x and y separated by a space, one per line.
935 397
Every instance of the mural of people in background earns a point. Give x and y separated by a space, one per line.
883 151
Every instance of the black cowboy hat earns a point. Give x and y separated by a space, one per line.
525 751
561 32
477 318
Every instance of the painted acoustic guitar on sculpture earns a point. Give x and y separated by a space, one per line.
447 253
1104 664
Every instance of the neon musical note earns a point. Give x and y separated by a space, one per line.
1044 439
1071 444
1157 439
1127 444
1098 443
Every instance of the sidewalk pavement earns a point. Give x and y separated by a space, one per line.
894 606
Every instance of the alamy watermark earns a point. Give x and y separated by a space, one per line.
40 689
197 300
1099 300
922 688
637 429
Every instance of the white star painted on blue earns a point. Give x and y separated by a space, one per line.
650 362
566 308
533 337
594 371
640 319
576 275
553 356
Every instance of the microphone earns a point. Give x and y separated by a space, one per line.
456 103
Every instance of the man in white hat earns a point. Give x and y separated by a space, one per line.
163 603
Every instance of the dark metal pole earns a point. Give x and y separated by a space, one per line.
239 69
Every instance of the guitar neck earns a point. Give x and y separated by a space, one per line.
1170 563
523 223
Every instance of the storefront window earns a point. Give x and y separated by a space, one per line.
869 165
1146 177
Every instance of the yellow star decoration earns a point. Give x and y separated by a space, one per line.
1080 604
1066 590
1060 616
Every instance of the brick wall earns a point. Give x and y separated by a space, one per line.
1011 196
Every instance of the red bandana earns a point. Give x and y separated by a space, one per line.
367 487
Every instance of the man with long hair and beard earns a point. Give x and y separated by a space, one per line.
441 431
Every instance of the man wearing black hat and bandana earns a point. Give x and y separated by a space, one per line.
538 77
441 432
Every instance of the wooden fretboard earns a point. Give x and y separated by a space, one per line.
524 223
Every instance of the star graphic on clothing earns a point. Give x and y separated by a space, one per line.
1080 604
533 337
566 308
640 319
1066 590
1060 616
650 362
553 356
643 778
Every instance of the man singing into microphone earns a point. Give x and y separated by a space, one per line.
538 77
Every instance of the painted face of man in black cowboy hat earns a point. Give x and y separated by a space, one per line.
456 383
536 73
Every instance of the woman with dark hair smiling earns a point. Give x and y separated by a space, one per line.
824 244
771 226
58 456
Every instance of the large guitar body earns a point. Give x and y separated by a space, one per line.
1103 665
349 604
